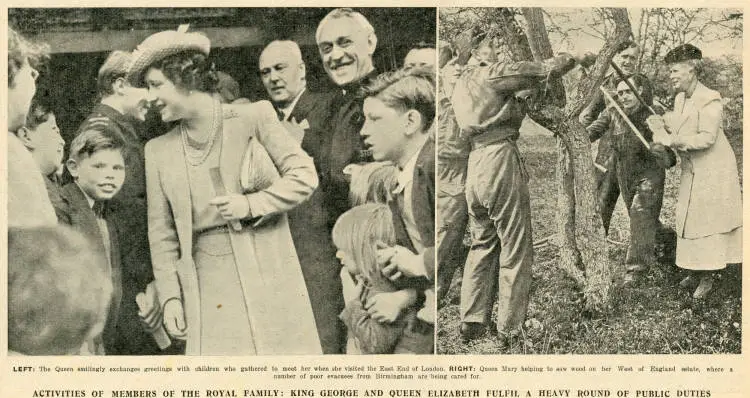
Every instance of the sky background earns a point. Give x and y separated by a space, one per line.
583 39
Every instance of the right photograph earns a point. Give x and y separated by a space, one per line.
589 175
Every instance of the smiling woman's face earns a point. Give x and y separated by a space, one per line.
165 96
681 75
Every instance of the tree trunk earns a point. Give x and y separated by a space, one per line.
589 232
582 241
514 36
550 118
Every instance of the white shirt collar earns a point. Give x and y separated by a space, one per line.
406 174
287 110
88 198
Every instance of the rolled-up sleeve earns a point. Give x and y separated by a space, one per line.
515 76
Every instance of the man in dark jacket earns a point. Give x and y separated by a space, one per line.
607 187
307 117
346 42
640 169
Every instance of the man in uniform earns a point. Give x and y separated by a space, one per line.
497 194
306 115
346 42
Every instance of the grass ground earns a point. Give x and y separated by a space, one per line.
654 316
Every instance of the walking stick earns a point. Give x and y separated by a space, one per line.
624 116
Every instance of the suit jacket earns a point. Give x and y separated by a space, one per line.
346 145
423 207
316 109
73 209
310 225
709 199
274 292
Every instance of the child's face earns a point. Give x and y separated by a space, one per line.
347 262
47 145
384 130
100 175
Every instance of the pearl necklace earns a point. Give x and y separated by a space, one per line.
196 156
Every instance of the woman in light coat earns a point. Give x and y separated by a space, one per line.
709 203
218 186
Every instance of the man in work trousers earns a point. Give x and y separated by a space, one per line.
496 191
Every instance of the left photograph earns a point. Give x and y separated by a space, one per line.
221 181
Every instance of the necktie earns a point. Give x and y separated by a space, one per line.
98 209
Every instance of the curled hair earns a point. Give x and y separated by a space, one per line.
357 233
19 50
39 113
189 70
372 182
58 291
405 89
644 84
697 65
95 138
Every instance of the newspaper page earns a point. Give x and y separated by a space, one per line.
273 200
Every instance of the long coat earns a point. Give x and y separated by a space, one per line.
709 200
273 289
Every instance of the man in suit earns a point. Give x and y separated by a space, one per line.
306 116
346 43
399 112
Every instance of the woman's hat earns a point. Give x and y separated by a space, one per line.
683 53
161 45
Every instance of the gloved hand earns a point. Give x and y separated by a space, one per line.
664 156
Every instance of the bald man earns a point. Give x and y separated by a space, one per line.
307 114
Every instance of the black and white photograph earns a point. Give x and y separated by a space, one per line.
589 193
221 181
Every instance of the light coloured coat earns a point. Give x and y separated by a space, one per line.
709 199
275 295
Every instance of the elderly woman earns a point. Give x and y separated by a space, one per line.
709 204
218 187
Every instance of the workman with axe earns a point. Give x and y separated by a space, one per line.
499 261
639 173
